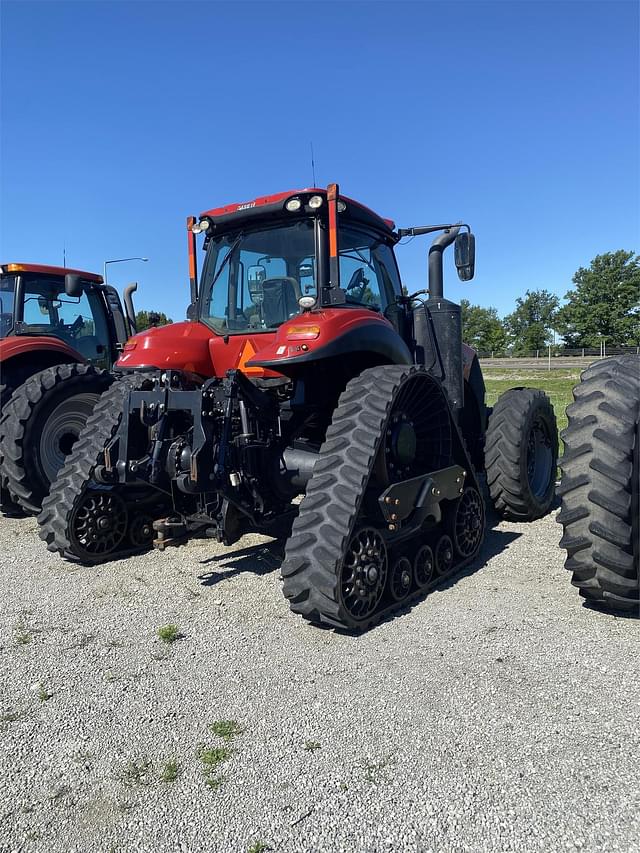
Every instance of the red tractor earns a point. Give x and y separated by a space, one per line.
305 368
61 330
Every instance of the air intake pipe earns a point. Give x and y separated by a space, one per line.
435 261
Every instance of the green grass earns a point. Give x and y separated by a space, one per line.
170 771
227 729
169 633
557 384
311 745
259 847
211 758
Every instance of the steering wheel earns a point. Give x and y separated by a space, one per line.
358 282
76 326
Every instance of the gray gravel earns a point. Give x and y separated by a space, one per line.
497 714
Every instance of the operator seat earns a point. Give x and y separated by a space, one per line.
280 299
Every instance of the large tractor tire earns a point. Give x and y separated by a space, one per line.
343 567
7 506
600 485
88 522
40 425
521 453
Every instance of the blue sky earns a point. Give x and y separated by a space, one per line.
120 119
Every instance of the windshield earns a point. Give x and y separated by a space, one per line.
7 290
253 280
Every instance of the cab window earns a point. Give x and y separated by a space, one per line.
364 274
79 321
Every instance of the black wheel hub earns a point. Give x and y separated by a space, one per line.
400 579
539 458
469 522
99 524
444 555
364 573
141 531
423 566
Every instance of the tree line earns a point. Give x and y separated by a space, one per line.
603 305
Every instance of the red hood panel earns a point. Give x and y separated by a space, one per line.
193 347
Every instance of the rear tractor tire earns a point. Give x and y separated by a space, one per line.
40 425
600 485
521 453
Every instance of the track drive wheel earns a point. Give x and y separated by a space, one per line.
77 509
600 485
40 425
521 452
391 423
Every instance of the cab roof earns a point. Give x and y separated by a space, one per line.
268 206
45 269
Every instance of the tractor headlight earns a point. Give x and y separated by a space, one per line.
341 206
307 302
315 202
205 224
293 204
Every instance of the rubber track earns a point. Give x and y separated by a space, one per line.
507 429
329 511
78 470
599 485
20 411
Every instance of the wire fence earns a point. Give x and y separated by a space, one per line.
563 352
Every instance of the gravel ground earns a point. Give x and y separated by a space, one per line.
497 714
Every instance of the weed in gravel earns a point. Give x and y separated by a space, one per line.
170 771
259 847
311 745
372 771
227 729
135 772
211 758
23 638
169 633
43 694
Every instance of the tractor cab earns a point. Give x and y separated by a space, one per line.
269 259
71 307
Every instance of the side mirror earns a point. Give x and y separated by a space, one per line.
72 284
465 255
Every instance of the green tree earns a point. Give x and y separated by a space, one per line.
605 302
482 328
531 325
147 319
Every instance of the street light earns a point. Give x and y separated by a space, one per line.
118 261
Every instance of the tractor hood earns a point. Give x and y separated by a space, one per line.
193 347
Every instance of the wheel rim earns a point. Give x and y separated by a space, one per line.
364 573
444 555
400 579
417 436
61 430
141 531
99 524
539 458
469 522
423 566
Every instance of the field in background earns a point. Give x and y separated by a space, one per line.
557 384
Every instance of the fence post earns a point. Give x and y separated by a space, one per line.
549 357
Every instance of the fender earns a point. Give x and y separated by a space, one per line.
17 345
331 333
